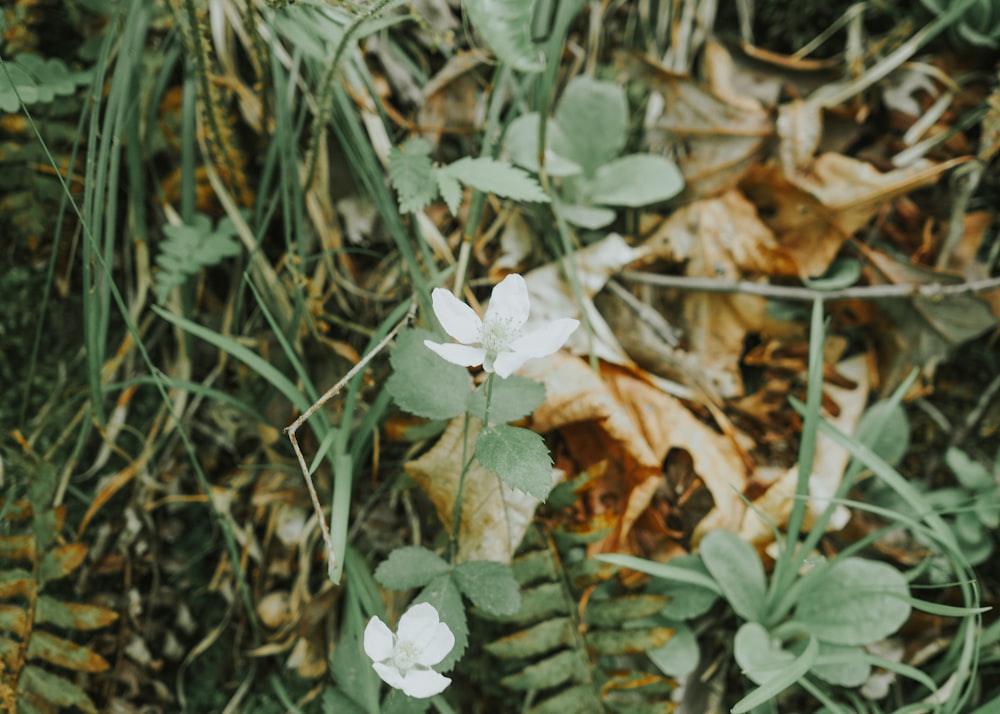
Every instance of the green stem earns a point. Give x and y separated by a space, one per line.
456 523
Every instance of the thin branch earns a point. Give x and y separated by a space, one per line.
784 292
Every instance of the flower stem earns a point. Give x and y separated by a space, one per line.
456 523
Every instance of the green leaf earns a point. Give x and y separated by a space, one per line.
412 174
679 656
737 569
667 571
636 180
853 602
451 190
842 665
410 567
969 472
505 26
489 585
518 456
513 398
53 688
843 273
443 594
496 176
521 144
766 663
189 248
885 429
687 601
423 383
590 217
593 116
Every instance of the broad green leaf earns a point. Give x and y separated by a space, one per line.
636 180
496 176
737 569
590 217
505 26
843 273
20 81
489 585
679 656
412 566
419 378
335 700
443 594
885 429
842 665
853 602
969 472
521 144
518 456
760 659
593 116
513 398
412 174
687 601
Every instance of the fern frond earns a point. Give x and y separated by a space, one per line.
188 249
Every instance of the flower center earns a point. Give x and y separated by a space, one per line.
405 654
497 334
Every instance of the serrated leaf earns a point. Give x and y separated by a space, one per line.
189 248
451 190
853 602
736 567
513 398
489 585
418 376
410 567
413 176
505 26
518 456
636 180
443 594
496 176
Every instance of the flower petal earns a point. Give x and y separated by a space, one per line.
378 640
509 301
438 643
458 319
390 675
423 683
417 623
458 354
546 339
537 343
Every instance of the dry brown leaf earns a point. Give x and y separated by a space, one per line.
494 516
799 127
716 131
619 419
813 214
722 238
831 460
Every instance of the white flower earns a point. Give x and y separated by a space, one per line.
404 660
496 342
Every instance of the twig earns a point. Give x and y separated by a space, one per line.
784 292
330 394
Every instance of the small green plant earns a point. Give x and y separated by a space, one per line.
582 154
430 379
189 248
974 503
978 25
811 622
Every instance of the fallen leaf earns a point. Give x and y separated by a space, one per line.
775 505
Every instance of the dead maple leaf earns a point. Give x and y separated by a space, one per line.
619 422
